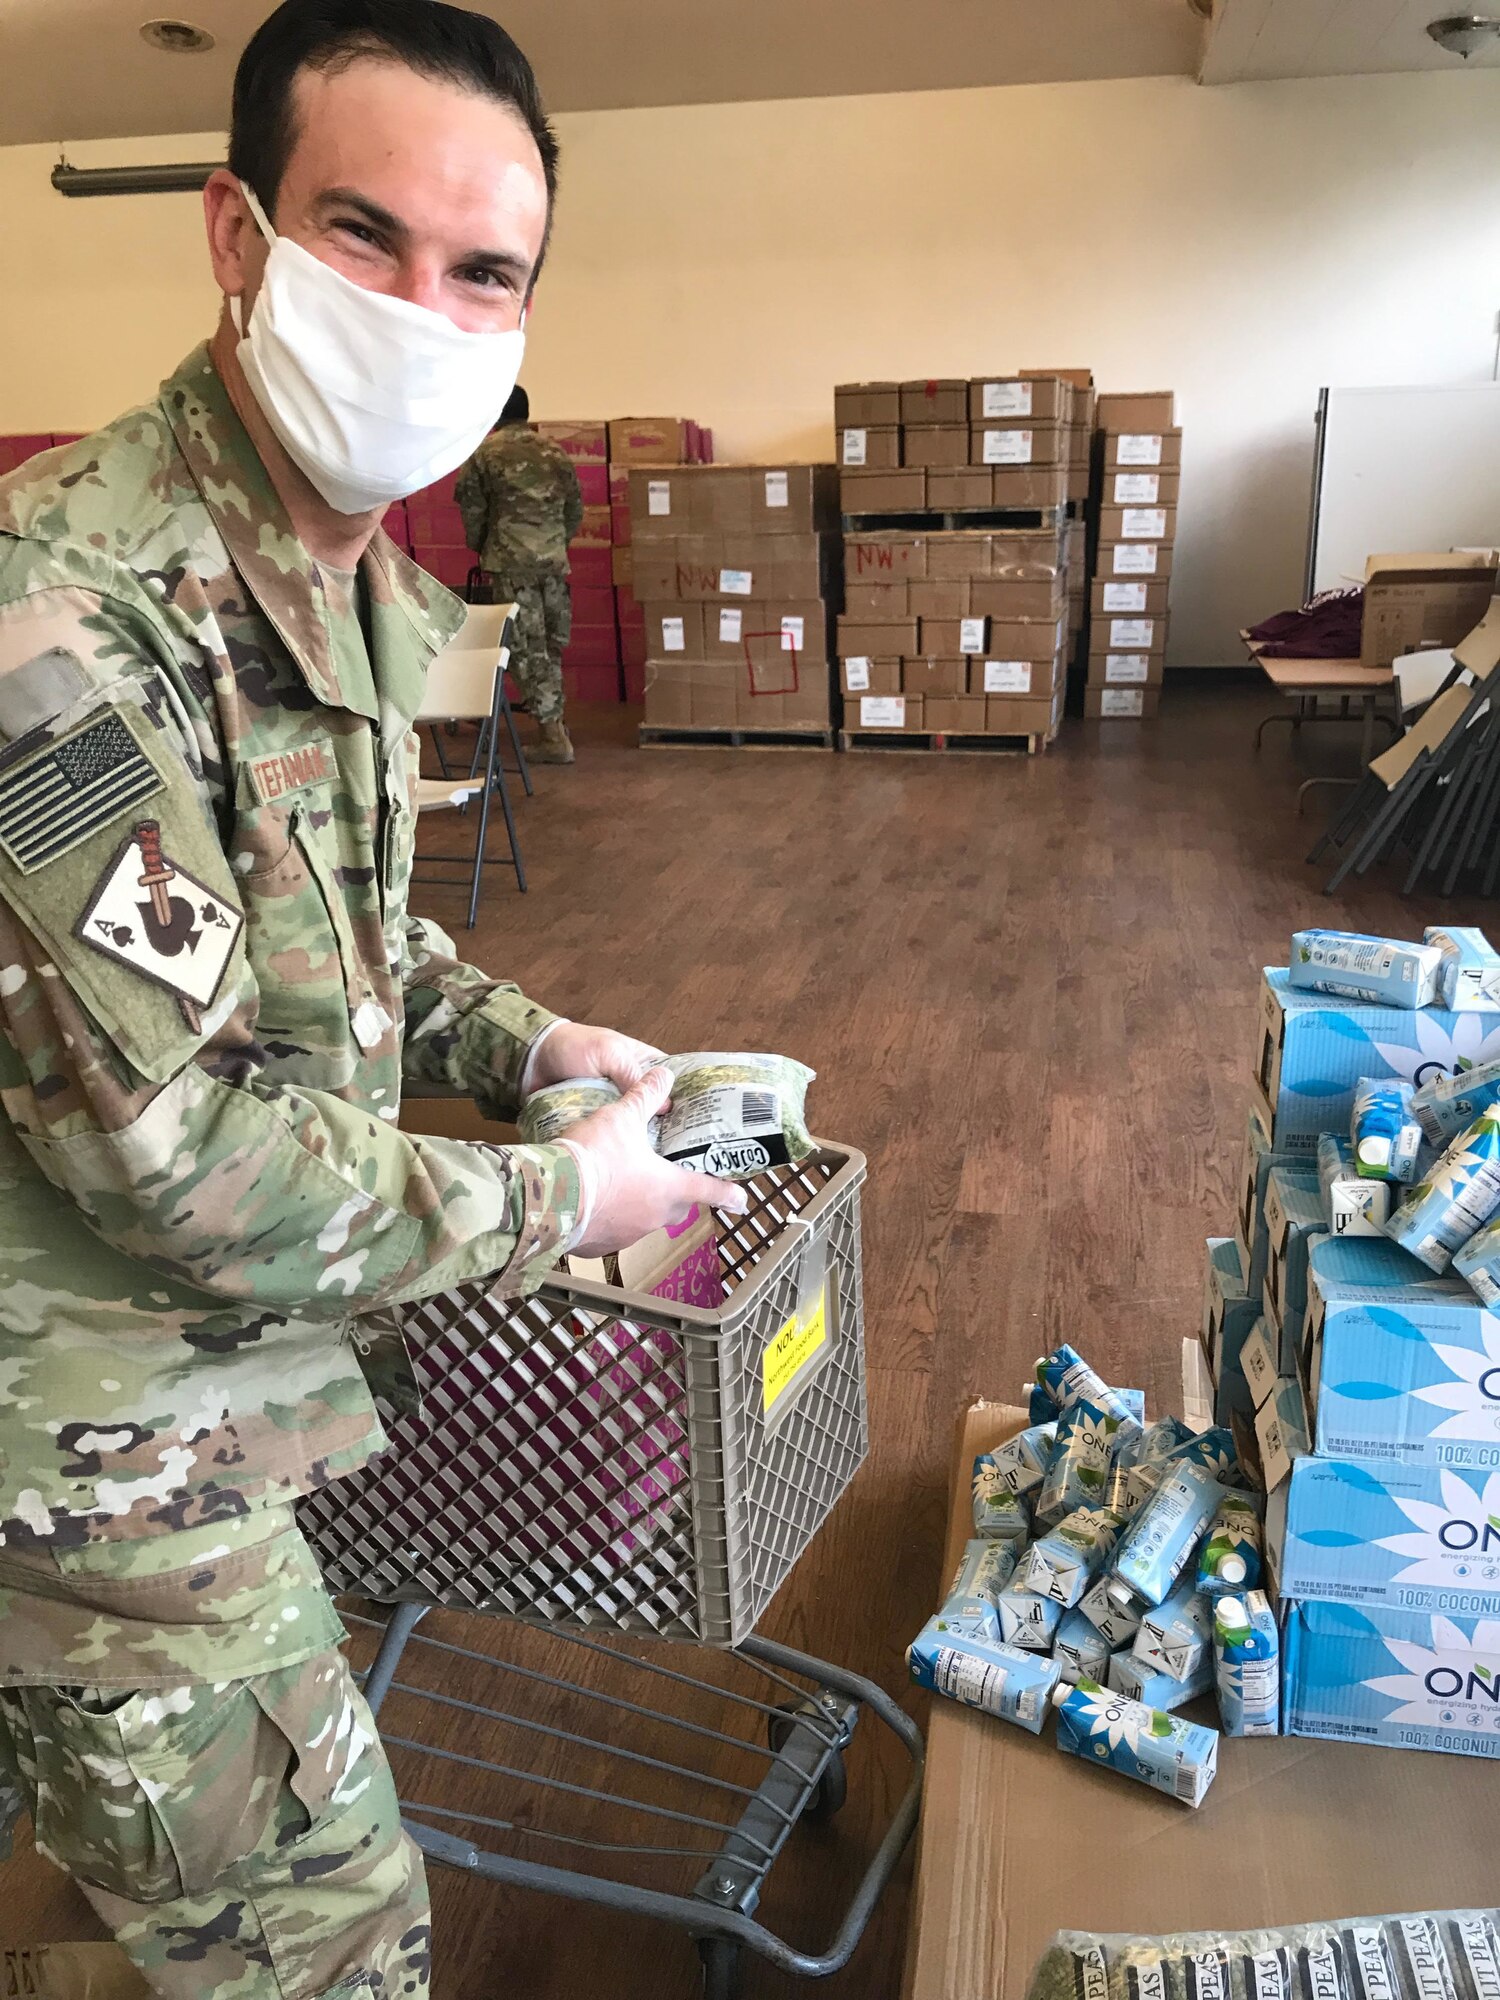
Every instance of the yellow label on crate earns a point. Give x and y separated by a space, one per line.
792 1349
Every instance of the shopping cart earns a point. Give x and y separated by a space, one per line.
625 1472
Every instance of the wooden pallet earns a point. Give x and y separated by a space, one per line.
926 521
652 737
924 742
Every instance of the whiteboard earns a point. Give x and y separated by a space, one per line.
1401 470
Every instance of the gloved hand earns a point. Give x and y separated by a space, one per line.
630 1189
570 1049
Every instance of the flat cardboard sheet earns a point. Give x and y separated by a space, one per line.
1019 1841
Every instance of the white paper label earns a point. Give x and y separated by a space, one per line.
1007 447
971 634
1120 668
1007 677
855 445
1144 524
857 675
1124 597
658 496
792 630
731 625
1127 633
1137 488
776 489
1007 399
735 582
1136 448
1135 559
883 711
673 636
1122 701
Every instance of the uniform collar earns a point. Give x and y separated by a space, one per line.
413 616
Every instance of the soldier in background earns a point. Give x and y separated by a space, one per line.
521 507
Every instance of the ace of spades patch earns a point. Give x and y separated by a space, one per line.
147 913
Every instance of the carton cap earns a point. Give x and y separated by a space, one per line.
1233 1569
1232 1611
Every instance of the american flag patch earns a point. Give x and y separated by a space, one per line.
52 801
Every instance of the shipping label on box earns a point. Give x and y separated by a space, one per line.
1143 524
1136 489
1134 559
855 442
731 625
1127 669
1125 597
1006 399
793 634
1125 703
1408 1365
882 712
1139 448
1127 634
856 676
1409 1537
673 635
658 496
1412 1680
972 634
1005 447
1007 677
778 494
1313 1048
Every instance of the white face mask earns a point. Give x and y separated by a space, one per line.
373 397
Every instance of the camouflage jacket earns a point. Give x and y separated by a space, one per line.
210 992
521 504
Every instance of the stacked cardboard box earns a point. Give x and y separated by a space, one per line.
960 632
635 442
1141 456
1367 1389
954 446
737 571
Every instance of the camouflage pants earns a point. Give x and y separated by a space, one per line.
543 626
241 1839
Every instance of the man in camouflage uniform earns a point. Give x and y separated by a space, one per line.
521 507
211 993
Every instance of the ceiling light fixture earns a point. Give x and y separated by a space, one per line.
1464 34
177 38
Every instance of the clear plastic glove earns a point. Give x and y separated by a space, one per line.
631 1189
572 1049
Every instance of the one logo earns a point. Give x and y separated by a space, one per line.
1479 1684
1467 1537
736 1156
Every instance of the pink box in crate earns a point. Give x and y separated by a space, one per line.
593 484
590 566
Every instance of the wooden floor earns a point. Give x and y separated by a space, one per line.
1029 988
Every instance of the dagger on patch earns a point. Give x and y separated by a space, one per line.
170 922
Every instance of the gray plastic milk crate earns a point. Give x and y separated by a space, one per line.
618 1467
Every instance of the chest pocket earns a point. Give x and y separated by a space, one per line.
320 1010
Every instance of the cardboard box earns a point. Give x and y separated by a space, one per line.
876 492
1121 704
1127 632
731 566
954 715
1030 487
1141 487
1414 601
935 402
955 489
1014 677
1148 410
950 636
650 440
1401 1366
1143 451
891 557
936 444
715 697
1077 378
940 597
1080 482
1018 445
930 678
1311 1050
1022 715
587 565
879 639
1411 1680
1045 398
866 403
622 567
1295 1221
867 676
1126 669
1406 1537
1009 598
585 443
893 712
1028 554
959 553
1137 524
1026 638
770 635
661 504
881 601
870 444
669 693
1126 559
1134 596
673 630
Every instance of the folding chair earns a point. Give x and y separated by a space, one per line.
483 631
468 684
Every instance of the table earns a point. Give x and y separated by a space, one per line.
1305 680
1019 1841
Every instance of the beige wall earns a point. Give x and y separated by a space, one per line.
731 262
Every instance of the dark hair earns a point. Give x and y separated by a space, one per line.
448 44
517 408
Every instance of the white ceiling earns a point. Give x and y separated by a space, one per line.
77 69
1253 41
